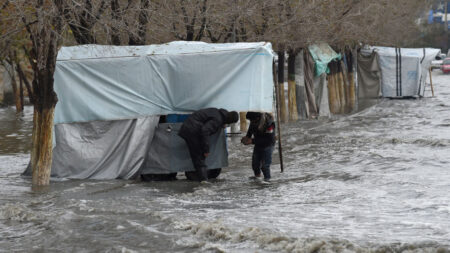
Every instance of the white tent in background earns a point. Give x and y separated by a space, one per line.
403 70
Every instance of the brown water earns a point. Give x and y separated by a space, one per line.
375 181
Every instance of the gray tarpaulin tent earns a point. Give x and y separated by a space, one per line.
403 70
111 97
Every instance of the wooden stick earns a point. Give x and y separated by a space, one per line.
277 98
431 83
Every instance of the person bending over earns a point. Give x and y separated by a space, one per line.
196 130
262 128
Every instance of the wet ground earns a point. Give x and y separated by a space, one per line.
375 181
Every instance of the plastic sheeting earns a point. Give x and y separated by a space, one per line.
309 84
300 91
322 54
403 70
320 90
169 153
96 82
125 149
369 81
102 149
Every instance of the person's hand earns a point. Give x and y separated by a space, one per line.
206 154
246 140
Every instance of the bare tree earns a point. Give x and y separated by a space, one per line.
185 19
44 26
81 17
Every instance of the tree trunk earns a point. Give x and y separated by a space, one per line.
16 91
42 150
21 94
115 15
341 89
336 87
45 100
243 121
142 25
332 97
284 116
45 38
292 98
27 84
345 77
352 88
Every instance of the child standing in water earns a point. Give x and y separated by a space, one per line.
261 133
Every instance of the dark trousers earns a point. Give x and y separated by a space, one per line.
197 156
261 160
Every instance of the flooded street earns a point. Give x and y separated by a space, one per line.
374 181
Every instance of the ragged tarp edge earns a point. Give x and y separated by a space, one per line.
93 51
407 52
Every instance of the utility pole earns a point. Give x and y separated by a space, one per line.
234 127
446 24
445 17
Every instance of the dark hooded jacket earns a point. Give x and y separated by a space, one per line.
203 123
262 129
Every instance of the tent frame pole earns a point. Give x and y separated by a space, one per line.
277 98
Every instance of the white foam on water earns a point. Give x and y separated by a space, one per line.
204 190
18 212
218 236
151 229
126 250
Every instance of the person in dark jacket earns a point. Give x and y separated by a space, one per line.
196 130
262 128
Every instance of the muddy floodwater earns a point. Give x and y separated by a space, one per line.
374 181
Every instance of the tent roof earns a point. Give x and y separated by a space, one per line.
97 82
172 48
406 52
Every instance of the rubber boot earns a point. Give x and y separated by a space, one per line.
202 173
